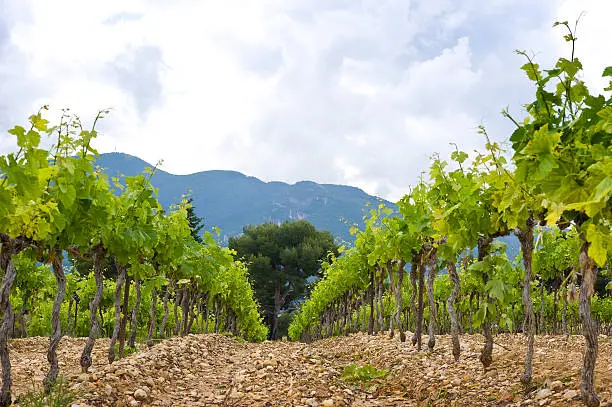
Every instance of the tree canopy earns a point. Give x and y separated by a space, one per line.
282 258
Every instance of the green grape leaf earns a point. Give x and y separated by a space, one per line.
598 240
497 245
571 68
480 315
555 210
606 123
496 289
478 266
459 156
603 190
38 122
532 71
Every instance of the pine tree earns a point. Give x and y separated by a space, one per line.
282 258
195 222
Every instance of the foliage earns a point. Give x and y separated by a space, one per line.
58 396
562 164
128 350
557 254
54 200
557 186
354 373
500 273
563 148
281 258
195 223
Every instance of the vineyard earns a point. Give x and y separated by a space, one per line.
55 201
436 269
553 195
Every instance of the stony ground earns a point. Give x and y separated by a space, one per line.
208 370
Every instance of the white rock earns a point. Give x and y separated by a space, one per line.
570 394
557 385
271 363
543 393
140 394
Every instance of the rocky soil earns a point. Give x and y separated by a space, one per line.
207 370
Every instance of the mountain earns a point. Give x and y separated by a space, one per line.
231 200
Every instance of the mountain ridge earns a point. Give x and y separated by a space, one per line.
231 200
104 158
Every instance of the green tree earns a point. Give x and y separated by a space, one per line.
281 260
195 222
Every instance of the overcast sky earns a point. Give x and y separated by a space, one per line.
335 91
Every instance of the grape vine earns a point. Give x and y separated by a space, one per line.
56 201
558 183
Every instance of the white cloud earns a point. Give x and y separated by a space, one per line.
361 93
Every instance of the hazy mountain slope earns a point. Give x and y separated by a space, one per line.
231 200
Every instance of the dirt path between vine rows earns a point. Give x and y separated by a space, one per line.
213 370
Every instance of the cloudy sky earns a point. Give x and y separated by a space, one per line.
357 92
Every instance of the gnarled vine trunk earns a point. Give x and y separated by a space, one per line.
177 300
134 323
23 332
589 326
69 330
77 301
7 321
185 303
200 315
433 312
56 329
376 304
152 319
525 236
413 295
345 315
486 356
371 301
555 325
542 325
454 277
162 329
207 313
564 313
217 311
399 305
381 307
124 315
418 332
98 264
121 277
192 311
